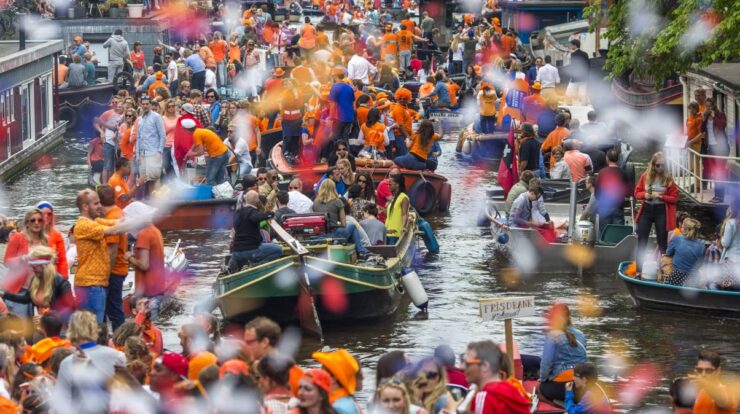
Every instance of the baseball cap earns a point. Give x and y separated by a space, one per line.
188 123
188 107
174 362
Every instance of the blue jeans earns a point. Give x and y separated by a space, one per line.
114 300
411 162
265 253
351 233
92 298
216 168
221 74
109 157
405 59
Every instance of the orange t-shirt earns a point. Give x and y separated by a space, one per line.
252 123
390 45
405 39
120 267
705 404
554 139
426 89
508 44
693 128
218 48
152 282
362 112
265 122
374 135
128 142
403 117
308 37
211 142
420 150
409 25
235 53
453 88
92 254
120 187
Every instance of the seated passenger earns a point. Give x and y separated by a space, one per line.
309 150
520 187
521 210
249 247
421 144
328 202
560 170
374 228
565 346
687 252
592 399
373 135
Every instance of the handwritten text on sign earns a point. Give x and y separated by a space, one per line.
500 309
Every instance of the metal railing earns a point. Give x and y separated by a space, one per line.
687 168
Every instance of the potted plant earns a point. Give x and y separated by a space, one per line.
78 10
135 9
116 8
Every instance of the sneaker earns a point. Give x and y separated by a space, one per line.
363 256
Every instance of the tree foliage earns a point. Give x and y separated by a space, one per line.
661 38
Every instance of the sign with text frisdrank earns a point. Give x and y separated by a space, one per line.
499 309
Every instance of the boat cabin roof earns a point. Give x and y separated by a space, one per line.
727 73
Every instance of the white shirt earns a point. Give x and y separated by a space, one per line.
172 70
711 139
241 149
457 55
548 76
210 80
360 68
298 202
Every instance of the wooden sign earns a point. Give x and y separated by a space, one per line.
499 309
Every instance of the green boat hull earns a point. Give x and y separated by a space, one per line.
342 290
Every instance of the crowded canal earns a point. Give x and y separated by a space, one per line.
620 336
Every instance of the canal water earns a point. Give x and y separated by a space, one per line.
620 337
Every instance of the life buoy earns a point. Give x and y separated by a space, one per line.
68 114
123 80
445 195
422 196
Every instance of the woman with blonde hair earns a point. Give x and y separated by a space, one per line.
56 239
687 252
32 234
659 195
170 117
345 170
328 202
430 387
392 397
48 290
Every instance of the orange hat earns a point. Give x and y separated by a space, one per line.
477 69
200 362
496 21
342 365
383 104
319 378
537 86
159 75
294 378
278 72
337 71
403 94
233 366
381 95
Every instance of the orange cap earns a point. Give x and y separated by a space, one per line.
537 86
342 365
200 362
159 75
319 378
233 366
278 72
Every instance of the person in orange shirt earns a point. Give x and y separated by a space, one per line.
56 239
235 52
364 103
421 143
695 139
403 116
373 134
119 182
207 142
533 104
219 49
714 397
117 247
508 44
555 138
50 326
158 83
205 53
307 42
388 45
406 38
453 88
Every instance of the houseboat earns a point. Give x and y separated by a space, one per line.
29 127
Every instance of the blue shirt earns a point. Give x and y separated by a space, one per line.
344 96
558 355
340 186
79 50
150 135
546 122
686 253
195 63
346 405
442 93
589 403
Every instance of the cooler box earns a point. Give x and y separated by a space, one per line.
305 225
201 192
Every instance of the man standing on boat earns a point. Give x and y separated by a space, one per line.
249 247
612 186
118 53
549 77
150 140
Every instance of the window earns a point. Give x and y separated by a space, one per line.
3 111
43 93
27 116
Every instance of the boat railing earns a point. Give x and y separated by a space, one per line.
687 168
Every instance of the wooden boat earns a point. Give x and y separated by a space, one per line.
656 295
478 147
426 190
197 215
174 260
343 289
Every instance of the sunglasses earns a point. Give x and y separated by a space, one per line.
431 375
705 370
36 220
293 188
658 165
261 179
362 181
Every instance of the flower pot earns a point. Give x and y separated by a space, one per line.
71 13
116 13
79 12
135 11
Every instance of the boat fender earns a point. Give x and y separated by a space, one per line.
466 147
445 196
460 141
422 196
69 114
502 238
483 220
415 289
427 234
